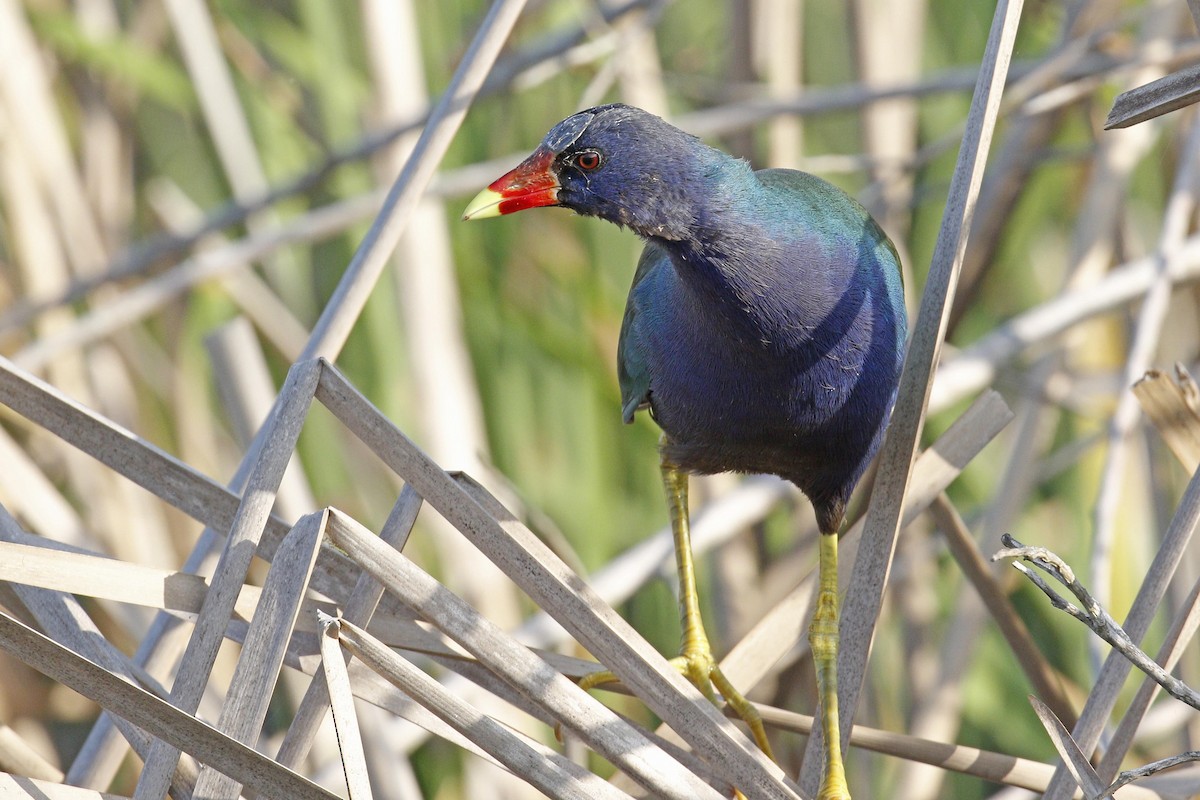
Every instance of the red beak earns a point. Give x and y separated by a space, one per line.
530 185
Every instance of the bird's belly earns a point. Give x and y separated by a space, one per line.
805 397
721 418
814 419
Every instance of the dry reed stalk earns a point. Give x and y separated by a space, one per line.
160 719
337 688
861 607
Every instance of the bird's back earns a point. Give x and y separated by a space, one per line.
775 346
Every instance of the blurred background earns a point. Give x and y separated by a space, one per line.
182 184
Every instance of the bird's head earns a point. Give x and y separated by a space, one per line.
615 162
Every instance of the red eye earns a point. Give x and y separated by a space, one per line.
587 160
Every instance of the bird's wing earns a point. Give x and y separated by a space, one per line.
829 210
632 368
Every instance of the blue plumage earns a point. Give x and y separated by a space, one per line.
773 342
765 326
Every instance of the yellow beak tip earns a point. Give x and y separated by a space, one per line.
486 204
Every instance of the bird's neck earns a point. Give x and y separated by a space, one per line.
733 267
726 280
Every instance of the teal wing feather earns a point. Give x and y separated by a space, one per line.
632 367
828 210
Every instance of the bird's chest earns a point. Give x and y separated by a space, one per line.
719 379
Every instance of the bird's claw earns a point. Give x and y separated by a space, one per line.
706 675
701 669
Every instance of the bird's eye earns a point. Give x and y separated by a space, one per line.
587 160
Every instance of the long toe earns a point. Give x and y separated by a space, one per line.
702 670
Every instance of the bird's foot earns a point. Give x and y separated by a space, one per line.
702 670
699 667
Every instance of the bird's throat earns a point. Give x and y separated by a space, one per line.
751 293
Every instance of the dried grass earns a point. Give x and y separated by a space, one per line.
472 641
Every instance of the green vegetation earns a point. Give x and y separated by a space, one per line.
493 345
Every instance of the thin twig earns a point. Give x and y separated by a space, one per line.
1090 613
359 608
1131 775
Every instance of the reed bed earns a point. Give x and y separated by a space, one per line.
310 491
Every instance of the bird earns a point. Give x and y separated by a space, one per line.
764 332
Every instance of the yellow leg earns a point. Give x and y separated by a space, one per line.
823 637
695 660
695 641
